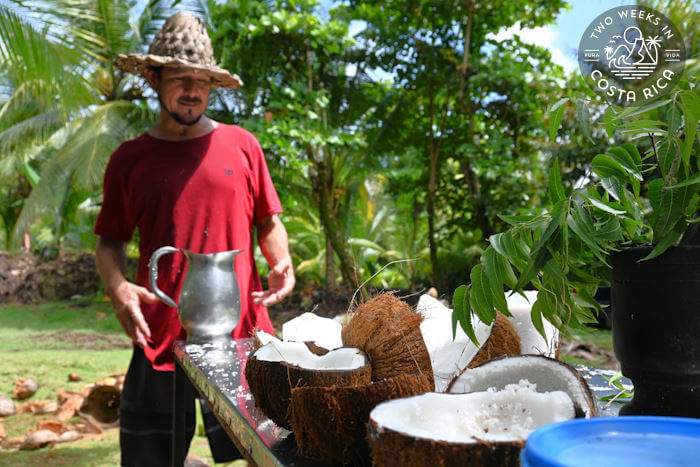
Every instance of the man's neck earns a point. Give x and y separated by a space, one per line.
167 128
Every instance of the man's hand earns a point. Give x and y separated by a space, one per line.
280 282
126 300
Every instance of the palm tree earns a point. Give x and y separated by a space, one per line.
64 107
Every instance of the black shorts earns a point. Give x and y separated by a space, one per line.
146 418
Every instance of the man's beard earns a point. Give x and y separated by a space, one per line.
179 118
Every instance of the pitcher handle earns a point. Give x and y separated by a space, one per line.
153 268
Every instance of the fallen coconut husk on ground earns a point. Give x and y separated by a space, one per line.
388 330
38 439
477 429
70 403
545 373
24 388
102 404
329 423
7 407
274 369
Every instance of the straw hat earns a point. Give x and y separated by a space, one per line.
182 42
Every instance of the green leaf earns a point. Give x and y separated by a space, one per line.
604 165
491 266
666 153
461 309
695 179
536 313
583 118
556 116
556 188
482 295
667 240
627 161
691 108
610 121
612 208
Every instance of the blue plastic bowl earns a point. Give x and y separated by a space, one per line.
615 441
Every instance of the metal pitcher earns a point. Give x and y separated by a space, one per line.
210 302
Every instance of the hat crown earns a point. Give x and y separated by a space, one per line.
184 37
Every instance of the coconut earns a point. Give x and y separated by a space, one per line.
24 388
388 330
274 369
481 428
450 354
546 373
308 327
329 423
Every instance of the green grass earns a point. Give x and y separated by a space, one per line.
48 342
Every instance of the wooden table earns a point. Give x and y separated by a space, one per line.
216 372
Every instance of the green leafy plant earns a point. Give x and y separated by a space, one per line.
644 193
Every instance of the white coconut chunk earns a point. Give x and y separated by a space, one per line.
531 341
265 338
298 354
308 327
448 356
507 415
546 373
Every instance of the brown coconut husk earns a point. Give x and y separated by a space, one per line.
391 448
329 423
503 340
271 384
388 330
102 403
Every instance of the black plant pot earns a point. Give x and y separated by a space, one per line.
656 329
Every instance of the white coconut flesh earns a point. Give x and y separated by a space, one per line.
308 327
492 416
265 338
547 374
531 341
298 354
448 355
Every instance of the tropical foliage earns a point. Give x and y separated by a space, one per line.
394 130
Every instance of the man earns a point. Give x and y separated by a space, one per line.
192 183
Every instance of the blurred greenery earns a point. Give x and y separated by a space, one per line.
387 138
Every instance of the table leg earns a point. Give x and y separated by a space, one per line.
179 381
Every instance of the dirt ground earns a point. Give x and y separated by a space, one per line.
26 278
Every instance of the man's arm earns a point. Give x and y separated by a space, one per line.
126 297
274 243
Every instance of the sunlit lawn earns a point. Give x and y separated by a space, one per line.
48 342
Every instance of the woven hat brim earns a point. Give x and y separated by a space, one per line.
136 63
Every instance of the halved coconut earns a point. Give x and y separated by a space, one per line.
275 368
546 373
388 330
481 428
448 355
329 423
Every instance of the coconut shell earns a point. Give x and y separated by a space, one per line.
271 384
7 407
24 388
503 340
329 423
388 330
391 448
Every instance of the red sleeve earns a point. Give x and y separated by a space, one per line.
267 202
114 221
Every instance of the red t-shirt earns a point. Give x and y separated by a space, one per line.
203 195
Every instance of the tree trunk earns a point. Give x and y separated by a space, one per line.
330 263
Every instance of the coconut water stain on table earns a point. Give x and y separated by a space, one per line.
217 373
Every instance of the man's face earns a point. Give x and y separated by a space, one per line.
182 92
